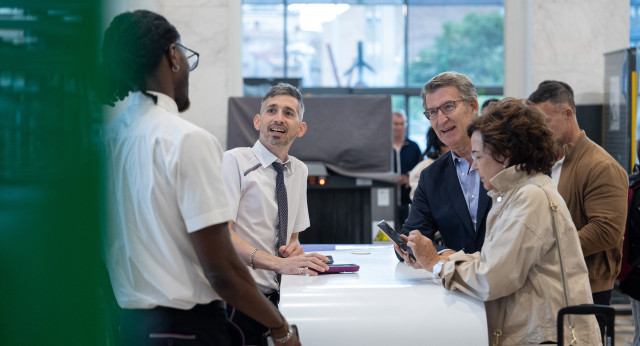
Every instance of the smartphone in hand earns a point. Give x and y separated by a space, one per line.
395 237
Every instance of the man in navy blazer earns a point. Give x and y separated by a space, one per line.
450 198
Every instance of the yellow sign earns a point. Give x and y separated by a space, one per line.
382 237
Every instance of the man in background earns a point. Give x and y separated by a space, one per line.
593 185
406 154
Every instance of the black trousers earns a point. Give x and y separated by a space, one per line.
251 329
202 325
602 298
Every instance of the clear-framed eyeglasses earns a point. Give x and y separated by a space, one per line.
192 56
446 109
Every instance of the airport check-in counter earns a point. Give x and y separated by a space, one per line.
385 303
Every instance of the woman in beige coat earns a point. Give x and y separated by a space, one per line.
518 271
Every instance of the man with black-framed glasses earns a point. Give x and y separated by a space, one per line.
450 199
169 253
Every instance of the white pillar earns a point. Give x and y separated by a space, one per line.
562 40
517 48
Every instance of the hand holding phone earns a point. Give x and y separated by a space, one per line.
395 237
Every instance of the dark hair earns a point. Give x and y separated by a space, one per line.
488 102
434 145
515 129
132 49
284 89
555 92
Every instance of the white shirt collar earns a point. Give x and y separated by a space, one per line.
164 101
267 158
556 170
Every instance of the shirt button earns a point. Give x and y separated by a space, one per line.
473 196
463 174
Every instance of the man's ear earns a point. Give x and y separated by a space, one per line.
172 56
302 129
474 105
256 122
568 113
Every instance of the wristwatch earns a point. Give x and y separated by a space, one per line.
437 268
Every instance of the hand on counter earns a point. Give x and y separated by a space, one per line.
302 264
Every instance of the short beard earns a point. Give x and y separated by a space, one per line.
183 106
276 143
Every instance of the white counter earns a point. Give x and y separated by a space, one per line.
385 303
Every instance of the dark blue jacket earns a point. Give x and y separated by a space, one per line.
439 205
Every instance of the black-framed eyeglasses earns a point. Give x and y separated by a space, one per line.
446 109
192 56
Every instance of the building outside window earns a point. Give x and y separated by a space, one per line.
375 47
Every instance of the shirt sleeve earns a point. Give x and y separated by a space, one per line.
605 206
414 175
302 218
232 182
200 191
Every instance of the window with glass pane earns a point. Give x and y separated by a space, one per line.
465 38
418 124
362 46
343 45
634 23
262 41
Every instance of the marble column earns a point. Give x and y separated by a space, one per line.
563 40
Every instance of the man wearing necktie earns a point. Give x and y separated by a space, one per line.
267 192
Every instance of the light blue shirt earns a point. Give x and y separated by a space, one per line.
470 184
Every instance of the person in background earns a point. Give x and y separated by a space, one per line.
531 255
594 186
267 192
450 198
406 154
486 104
630 273
435 148
169 254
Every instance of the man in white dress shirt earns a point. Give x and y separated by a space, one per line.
168 248
250 178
